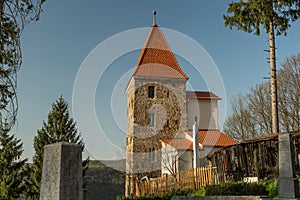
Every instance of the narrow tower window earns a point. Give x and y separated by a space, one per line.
151 92
151 119
152 156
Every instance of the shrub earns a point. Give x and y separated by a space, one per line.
271 187
197 193
236 188
166 196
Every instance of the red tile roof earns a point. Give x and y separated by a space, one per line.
157 70
201 95
214 138
206 138
157 59
180 143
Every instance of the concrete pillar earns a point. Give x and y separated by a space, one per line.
62 172
288 183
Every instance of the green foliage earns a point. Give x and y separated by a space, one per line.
271 187
198 193
249 16
266 187
13 169
272 15
60 127
224 189
236 188
14 16
166 196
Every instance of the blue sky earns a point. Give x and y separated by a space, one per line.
55 47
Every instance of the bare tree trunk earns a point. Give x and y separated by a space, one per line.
273 79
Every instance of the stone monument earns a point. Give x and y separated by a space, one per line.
62 172
288 183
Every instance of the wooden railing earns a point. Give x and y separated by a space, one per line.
186 180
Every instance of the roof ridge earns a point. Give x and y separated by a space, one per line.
144 49
213 137
202 95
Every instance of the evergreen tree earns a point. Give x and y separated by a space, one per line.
60 127
13 170
275 16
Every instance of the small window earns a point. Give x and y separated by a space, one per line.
151 92
151 119
152 156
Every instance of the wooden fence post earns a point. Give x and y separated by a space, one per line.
187 180
137 189
210 174
195 178
166 182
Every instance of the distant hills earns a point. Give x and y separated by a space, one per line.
105 179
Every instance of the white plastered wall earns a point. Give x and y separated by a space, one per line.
206 112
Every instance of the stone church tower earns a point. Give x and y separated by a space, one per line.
156 108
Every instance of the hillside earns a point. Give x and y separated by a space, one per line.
104 182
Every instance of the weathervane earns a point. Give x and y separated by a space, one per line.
154 17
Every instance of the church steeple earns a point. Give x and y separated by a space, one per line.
156 58
156 107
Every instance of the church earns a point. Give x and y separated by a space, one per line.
161 114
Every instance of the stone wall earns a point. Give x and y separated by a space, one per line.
169 109
143 146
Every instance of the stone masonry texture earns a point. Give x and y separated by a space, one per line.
62 172
142 140
169 108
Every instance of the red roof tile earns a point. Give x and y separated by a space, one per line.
180 143
201 95
157 59
214 138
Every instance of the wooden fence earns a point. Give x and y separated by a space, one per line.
257 157
186 180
